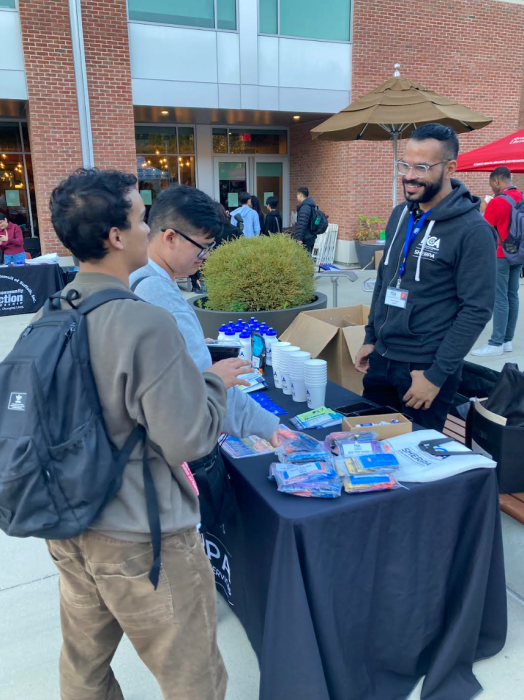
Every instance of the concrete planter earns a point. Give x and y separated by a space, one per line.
365 252
279 320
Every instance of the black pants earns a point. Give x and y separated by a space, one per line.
387 382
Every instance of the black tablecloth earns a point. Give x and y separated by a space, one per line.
356 598
24 289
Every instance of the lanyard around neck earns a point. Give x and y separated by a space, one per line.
411 233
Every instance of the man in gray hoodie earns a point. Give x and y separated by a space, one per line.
435 287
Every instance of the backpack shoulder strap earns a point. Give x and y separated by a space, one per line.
137 282
508 199
103 297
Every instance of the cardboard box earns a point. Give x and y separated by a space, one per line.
492 437
384 431
334 335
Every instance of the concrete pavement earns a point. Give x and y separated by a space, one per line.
30 630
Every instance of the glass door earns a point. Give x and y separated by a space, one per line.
272 180
269 182
231 178
264 176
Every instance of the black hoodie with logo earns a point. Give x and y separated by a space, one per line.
451 286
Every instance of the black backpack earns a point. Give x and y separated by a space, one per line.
58 467
319 222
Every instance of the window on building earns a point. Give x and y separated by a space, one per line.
10 4
165 156
301 18
186 13
250 141
17 195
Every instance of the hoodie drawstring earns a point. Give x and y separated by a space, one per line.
386 261
424 242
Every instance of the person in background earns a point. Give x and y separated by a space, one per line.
435 286
273 222
184 224
11 241
506 312
248 215
255 203
229 232
305 208
144 376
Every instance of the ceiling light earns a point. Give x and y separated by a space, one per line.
157 152
164 111
296 117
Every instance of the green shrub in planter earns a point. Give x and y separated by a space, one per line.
264 273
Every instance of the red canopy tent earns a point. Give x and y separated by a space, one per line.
508 151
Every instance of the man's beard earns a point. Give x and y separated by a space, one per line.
429 191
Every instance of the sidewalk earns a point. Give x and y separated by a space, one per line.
30 639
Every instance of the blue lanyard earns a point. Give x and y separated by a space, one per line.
411 233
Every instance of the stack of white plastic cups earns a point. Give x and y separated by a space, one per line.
275 358
285 377
296 372
315 378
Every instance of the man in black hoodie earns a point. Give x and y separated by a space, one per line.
305 208
435 287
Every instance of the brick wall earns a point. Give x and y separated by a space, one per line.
53 108
323 167
106 44
456 48
53 114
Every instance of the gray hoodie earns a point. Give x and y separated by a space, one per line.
450 276
244 416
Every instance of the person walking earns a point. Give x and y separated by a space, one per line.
305 209
247 215
435 286
505 315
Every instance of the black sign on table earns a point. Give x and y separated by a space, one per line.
25 289
358 597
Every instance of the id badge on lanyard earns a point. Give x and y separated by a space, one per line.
397 296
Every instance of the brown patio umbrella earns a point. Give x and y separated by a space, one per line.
393 111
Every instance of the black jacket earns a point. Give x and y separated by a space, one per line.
273 223
452 300
303 228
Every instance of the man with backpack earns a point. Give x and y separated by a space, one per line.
245 217
498 213
104 434
310 220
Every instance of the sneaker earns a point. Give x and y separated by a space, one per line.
508 347
488 349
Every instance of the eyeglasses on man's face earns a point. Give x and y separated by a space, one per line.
420 170
204 250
